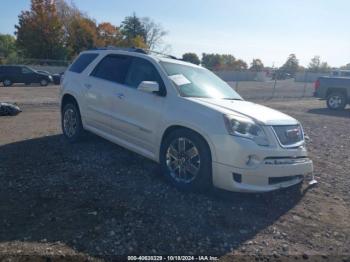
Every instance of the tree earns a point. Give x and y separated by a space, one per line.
82 35
211 61
325 68
40 31
108 34
137 42
317 66
132 27
154 33
314 64
291 65
256 65
240 65
192 58
223 62
228 62
7 45
67 13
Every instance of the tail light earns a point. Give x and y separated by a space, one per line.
317 84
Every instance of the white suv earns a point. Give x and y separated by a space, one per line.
185 118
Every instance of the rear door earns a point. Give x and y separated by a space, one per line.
15 74
104 97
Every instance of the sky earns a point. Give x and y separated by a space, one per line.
265 29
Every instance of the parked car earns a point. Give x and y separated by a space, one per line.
335 90
10 74
184 117
56 78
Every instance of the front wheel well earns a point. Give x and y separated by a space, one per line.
67 98
171 129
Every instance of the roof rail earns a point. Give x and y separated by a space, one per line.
135 49
128 49
166 55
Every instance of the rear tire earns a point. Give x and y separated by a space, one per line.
7 82
336 101
185 160
72 126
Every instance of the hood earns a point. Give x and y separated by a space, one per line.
260 114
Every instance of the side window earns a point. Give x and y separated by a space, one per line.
82 62
25 70
113 68
142 70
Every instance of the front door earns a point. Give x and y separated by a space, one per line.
142 110
26 76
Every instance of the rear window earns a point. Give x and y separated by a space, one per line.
113 68
4 69
10 69
82 62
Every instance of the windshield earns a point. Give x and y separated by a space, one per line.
198 82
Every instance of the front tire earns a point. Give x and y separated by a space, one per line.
336 101
72 126
44 82
185 160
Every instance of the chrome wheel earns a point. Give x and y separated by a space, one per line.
70 122
183 160
335 101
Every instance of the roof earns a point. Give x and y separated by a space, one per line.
155 55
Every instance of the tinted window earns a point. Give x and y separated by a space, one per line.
113 68
12 70
3 69
6 69
82 62
26 70
142 70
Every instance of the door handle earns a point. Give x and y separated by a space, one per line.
120 95
88 86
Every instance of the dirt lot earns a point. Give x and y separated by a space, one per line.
97 200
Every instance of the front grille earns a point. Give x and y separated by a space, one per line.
289 136
277 180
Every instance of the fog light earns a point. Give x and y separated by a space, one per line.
237 177
253 160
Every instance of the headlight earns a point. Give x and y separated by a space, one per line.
245 127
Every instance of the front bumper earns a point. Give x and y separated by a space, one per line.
263 178
273 167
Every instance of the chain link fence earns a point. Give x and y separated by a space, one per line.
253 85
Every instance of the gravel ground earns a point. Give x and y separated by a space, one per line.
96 200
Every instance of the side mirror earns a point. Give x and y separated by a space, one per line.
148 86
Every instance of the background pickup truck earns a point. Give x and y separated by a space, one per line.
336 90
